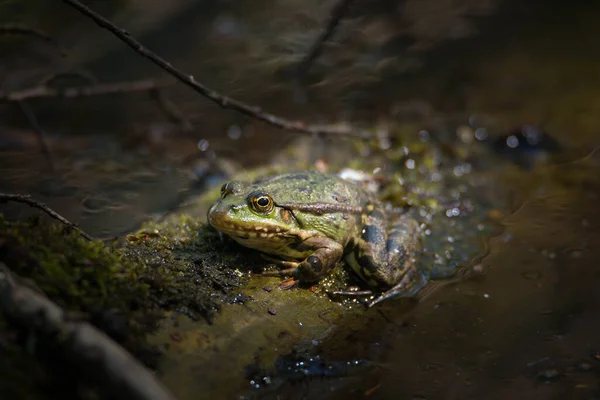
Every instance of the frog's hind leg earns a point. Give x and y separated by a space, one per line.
387 258
383 257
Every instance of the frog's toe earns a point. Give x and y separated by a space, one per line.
409 286
352 293
281 272
279 262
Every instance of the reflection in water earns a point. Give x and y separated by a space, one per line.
529 327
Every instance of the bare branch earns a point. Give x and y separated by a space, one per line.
223 101
26 199
39 92
39 130
337 13
93 353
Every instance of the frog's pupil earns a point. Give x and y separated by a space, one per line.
263 202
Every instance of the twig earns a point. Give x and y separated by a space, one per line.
26 31
39 92
337 13
223 101
89 350
170 110
39 130
26 199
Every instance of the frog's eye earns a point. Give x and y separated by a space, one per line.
262 203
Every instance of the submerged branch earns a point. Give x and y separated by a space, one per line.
26 199
93 353
30 32
337 13
221 100
44 91
39 130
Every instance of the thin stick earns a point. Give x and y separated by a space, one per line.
337 13
223 101
40 92
26 199
171 110
92 352
39 130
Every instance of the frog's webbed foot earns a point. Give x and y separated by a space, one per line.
409 286
289 268
280 272
352 293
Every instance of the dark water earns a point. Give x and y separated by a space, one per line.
527 328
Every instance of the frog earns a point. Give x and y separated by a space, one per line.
307 222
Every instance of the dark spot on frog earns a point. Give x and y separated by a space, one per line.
363 259
371 234
267 289
349 247
306 190
272 311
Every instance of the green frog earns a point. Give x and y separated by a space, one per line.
308 221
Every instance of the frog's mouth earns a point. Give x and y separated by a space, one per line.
247 231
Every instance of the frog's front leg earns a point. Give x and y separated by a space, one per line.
325 256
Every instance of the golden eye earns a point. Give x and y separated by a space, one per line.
262 203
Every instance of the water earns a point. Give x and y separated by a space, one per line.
526 327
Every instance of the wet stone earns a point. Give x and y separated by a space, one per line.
584 366
548 375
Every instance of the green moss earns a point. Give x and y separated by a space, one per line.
193 270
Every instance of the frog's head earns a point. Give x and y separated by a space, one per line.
252 217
